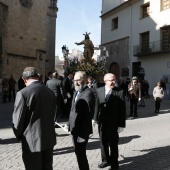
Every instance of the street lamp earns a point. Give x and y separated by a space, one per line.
65 51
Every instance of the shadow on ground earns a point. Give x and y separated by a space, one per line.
8 141
155 158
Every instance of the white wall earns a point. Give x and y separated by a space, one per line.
107 5
131 24
123 27
155 67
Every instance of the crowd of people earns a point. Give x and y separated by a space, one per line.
84 102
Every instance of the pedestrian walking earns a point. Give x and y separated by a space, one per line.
80 120
49 77
33 122
147 96
122 85
134 89
69 88
163 85
5 89
11 83
57 87
158 94
110 113
21 83
93 84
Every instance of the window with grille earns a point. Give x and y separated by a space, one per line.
166 38
115 23
165 4
145 42
145 10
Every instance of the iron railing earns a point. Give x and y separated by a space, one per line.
151 48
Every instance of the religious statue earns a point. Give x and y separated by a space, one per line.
88 47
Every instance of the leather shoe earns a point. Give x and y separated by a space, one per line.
103 165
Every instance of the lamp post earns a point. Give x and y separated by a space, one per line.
65 51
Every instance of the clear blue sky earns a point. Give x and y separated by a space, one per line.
74 18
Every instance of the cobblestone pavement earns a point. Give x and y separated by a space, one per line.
143 145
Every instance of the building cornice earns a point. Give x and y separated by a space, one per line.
118 8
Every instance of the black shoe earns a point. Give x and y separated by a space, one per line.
131 115
135 115
114 168
103 165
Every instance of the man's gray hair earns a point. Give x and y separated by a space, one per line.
30 72
83 73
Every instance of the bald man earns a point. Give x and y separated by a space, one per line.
110 113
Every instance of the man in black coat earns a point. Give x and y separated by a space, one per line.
33 122
57 87
69 88
110 113
80 119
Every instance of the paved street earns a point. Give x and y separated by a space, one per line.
144 144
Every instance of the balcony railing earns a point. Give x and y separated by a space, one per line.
151 48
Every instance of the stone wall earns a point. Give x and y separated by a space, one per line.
29 38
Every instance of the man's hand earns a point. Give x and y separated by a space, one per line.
93 122
130 89
139 99
80 140
68 95
65 101
120 129
65 128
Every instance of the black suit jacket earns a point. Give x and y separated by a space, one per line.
111 113
68 86
81 113
33 117
57 87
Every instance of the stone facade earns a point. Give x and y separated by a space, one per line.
27 37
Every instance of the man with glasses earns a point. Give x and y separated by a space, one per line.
80 118
110 113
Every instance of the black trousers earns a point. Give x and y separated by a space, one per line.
109 145
133 105
67 107
157 104
58 107
5 94
11 93
37 160
80 151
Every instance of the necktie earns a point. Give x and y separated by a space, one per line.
77 95
108 95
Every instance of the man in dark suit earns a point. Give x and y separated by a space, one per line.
57 87
110 113
49 77
69 88
93 83
33 122
80 119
